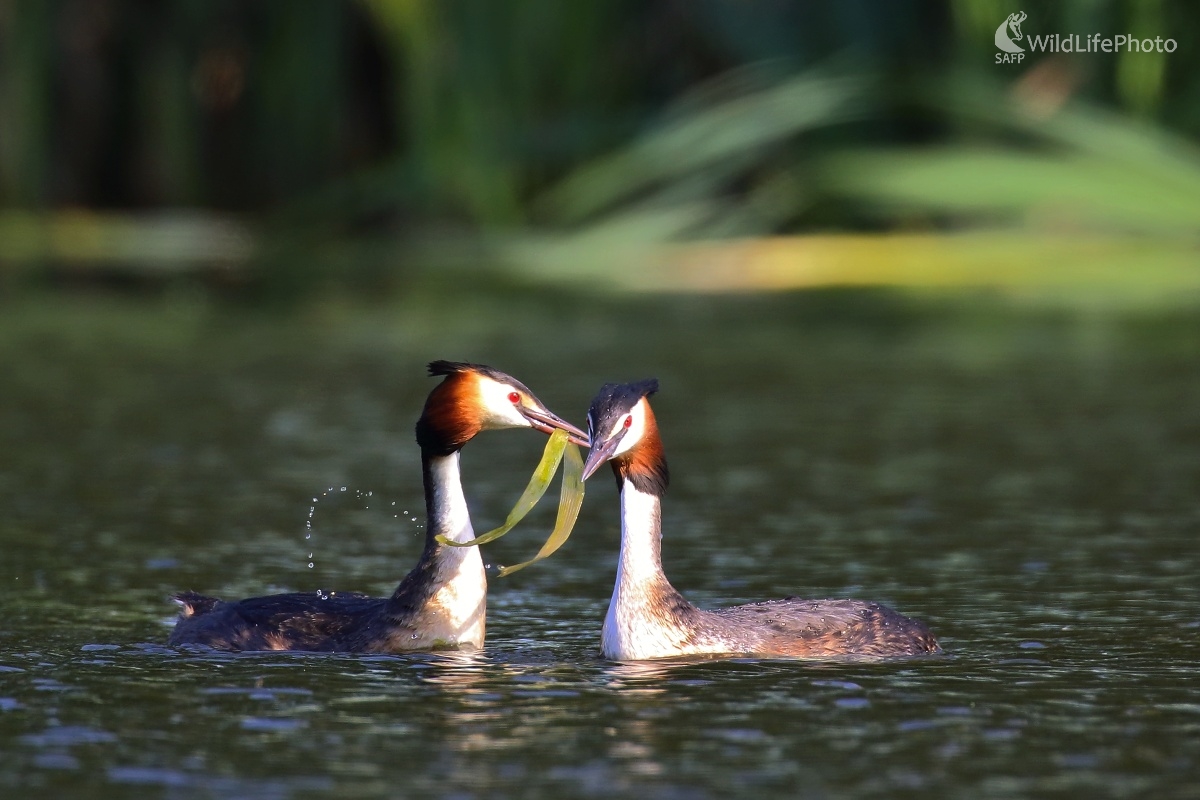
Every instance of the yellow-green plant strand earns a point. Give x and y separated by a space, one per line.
551 457
569 502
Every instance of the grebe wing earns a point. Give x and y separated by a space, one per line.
796 617
299 621
821 628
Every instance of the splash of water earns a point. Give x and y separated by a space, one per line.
365 495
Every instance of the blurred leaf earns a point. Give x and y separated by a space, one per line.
689 155
1037 189
1093 269
1075 126
160 243
1079 166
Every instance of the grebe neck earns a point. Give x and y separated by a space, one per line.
446 511
640 562
647 617
447 582
642 479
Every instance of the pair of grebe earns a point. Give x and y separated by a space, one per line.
442 601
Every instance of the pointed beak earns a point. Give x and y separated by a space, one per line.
599 454
546 422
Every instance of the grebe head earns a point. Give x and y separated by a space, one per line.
476 398
623 430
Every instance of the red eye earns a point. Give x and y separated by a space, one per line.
628 421
513 397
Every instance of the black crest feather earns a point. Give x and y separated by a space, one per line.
615 399
449 367
457 367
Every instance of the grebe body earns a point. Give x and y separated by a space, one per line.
648 618
442 602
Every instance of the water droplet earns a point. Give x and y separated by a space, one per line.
308 535
310 565
343 488
416 636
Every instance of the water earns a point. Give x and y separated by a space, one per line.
1023 480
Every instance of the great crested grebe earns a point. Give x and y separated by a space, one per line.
442 602
647 618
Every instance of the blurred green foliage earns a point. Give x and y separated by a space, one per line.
607 123
469 109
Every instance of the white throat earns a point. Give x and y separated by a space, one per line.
641 540
449 515
636 627
457 608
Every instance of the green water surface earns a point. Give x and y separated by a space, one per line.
1027 481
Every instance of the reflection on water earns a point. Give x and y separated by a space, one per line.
1024 482
645 676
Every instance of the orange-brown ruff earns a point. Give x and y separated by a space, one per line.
647 618
442 602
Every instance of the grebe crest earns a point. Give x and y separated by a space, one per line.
648 618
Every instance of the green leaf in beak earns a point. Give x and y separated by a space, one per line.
570 500
551 457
